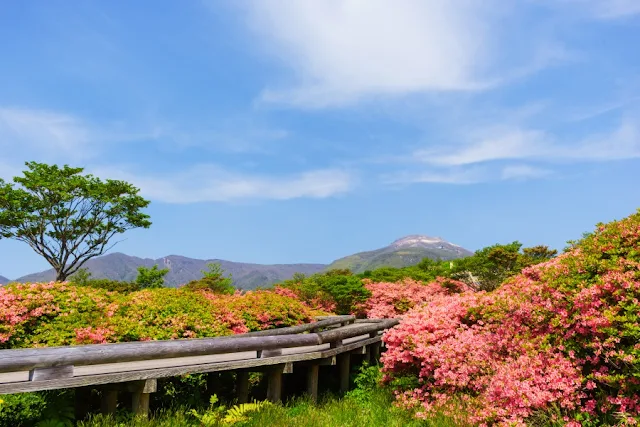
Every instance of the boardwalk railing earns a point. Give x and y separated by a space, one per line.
135 366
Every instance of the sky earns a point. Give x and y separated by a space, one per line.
282 131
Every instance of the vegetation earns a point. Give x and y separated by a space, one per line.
49 314
510 336
213 280
66 217
557 342
343 292
83 278
151 278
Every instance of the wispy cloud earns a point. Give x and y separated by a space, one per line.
523 172
497 143
47 132
344 50
471 175
210 183
603 9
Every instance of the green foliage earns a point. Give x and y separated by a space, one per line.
21 409
66 217
376 409
83 278
40 409
491 266
213 280
218 415
151 278
335 290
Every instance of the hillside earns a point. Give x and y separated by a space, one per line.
404 252
4 280
118 266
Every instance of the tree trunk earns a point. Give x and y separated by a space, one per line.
61 276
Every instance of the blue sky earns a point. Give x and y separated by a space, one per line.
303 131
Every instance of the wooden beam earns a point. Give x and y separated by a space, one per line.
312 382
344 360
31 359
109 401
141 393
52 373
375 353
242 386
141 374
82 398
274 386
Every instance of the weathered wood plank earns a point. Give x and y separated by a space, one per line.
109 401
141 393
274 385
242 386
119 377
312 381
344 368
26 359
106 368
53 373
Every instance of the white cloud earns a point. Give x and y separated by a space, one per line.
209 183
522 172
471 175
515 143
486 145
342 50
45 132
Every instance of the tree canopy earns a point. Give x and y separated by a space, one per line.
67 217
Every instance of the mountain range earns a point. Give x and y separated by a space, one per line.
401 253
404 252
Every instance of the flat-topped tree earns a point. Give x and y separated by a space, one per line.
67 217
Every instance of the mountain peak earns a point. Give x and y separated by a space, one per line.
414 240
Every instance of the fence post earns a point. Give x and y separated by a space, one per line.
343 370
312 382
140 398
274 386
242 386
109 401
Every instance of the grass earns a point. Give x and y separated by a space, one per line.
372 408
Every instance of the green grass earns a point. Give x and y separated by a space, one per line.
373 408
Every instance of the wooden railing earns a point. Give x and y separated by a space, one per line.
136 366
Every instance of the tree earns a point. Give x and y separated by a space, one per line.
66 217
81 277
149 278
213 280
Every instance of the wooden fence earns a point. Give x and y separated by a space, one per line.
135 367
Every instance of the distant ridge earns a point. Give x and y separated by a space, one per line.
406 251
118 266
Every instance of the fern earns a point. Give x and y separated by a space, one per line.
238 413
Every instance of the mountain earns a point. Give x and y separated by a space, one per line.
4 280
404 252
118 266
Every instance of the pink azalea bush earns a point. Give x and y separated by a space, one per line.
560 338
51 314
394 299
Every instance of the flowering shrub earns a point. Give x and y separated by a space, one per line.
265 309
50 314
394 299
562 335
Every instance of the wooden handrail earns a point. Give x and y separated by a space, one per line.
27 359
